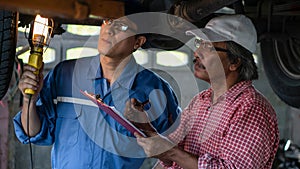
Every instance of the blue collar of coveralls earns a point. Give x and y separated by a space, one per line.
125 79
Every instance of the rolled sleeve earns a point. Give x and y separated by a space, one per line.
41 138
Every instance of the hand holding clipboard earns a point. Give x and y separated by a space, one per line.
135 113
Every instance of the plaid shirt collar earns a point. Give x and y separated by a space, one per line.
231 94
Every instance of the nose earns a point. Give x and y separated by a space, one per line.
198 54
195 54
109 29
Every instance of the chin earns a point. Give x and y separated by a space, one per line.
104 51
201 76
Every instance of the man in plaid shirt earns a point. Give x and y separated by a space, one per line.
229 125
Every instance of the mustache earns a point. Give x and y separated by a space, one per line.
201 57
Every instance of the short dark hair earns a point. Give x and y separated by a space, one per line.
248 69
133 7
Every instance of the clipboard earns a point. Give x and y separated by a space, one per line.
114 113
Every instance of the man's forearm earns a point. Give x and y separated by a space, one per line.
34 120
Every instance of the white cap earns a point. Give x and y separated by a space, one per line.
237 28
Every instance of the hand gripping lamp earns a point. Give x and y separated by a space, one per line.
40 34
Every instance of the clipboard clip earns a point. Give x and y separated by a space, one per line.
96 96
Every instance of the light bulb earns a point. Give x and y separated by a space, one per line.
40 30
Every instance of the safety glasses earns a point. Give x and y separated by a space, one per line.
117 25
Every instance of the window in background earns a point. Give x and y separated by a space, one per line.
172 58
83 30
48 56
255 59
141 57
23 29
80 52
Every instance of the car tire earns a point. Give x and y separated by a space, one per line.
281 60
8 28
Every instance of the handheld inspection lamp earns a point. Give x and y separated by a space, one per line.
40 35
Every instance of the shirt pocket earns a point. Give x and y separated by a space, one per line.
217 139
67 127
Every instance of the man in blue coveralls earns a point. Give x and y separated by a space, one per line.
82 135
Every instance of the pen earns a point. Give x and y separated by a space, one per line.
141 104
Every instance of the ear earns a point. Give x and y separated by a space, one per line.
235 65
140 40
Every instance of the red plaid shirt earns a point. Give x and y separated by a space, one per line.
239 131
